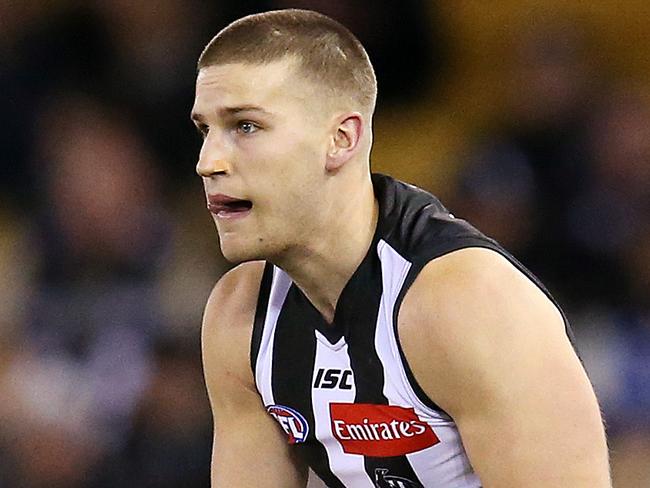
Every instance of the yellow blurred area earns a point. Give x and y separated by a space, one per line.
74 298
420 143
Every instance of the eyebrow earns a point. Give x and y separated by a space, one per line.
197 117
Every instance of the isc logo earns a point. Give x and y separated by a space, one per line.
333 378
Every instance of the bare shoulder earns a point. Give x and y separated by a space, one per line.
470 307
472 280
245 434
486 344
227 325
233 299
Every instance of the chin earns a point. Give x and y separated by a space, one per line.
236 253
236 256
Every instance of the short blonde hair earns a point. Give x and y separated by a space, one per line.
328 53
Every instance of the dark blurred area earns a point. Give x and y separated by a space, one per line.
530 119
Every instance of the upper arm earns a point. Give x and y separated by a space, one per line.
490 348
249 448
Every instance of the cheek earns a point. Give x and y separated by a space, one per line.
301 146
285 171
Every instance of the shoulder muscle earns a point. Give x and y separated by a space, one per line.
488 346
227 327
474 307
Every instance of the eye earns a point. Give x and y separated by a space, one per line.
246 127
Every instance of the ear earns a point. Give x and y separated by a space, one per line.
345 141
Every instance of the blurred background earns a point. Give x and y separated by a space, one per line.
531 119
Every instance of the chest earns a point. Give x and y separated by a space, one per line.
341 393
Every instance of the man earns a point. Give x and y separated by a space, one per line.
367 326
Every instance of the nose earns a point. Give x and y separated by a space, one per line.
215 157
207 167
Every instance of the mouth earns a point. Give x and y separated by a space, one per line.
227 207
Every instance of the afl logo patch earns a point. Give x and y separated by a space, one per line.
292 422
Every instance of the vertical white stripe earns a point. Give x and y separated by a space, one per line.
394 269
445 463
279 288
349 468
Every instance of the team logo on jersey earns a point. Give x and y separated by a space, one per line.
292 422
385 480
379 430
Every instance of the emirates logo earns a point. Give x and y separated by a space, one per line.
379 430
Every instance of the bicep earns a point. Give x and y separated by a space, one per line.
533 420
504 369
249 449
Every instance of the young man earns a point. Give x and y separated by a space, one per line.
391 344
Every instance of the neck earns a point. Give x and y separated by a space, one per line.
322 267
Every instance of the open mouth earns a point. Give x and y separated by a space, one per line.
225 206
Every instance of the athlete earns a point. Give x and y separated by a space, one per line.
366 333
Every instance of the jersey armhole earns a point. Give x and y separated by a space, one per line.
413 273
260 314
413 383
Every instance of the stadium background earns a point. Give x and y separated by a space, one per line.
529 118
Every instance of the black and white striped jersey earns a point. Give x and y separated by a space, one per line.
343 392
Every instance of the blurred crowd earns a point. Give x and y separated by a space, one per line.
107 254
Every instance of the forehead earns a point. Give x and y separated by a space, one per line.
269 86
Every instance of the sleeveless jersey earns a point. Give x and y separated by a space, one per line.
343 392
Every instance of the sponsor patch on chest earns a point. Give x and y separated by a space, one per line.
379 430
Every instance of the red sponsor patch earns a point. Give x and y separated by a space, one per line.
379 430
